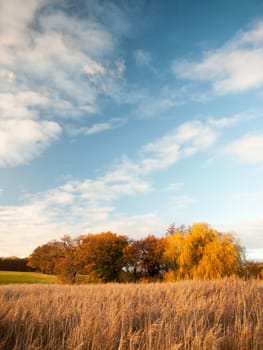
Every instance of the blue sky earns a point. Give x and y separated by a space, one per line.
128 116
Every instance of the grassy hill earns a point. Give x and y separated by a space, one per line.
7 277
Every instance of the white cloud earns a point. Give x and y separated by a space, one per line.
246 196
25 227
97 127
91 205
229 121
180 202
252 37
23 140
186 140
236 66
22 104
76 207
7 75
93 68
122 180
14 20
248 149
174 186
120 68
254 254
54 65
152 105
136 226
142 58
249 232
156 105
87 37
100 127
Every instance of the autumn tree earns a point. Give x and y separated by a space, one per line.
102 255
58 257
252 269
144 258
202 252
131 256
69 261
45 257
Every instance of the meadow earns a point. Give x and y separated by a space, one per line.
198 315
8 277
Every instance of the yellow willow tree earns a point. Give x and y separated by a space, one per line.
202 252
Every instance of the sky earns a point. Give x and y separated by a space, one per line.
126 116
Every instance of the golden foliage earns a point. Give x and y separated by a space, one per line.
202 252
197 251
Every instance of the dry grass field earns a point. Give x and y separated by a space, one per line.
198 315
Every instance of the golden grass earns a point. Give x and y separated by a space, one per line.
198 315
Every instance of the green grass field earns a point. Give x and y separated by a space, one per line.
7 277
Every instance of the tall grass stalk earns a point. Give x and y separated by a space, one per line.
198 315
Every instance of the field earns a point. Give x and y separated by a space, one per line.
198 315
7 277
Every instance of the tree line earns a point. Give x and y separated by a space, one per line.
185 252
13 263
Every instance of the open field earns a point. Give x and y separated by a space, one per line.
226 314
7 277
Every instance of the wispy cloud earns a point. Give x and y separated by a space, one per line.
97 127
75 207
152 105
247 195
188 139
180 202
31 225
249 231
26 226
248 149
174 186
92 205
23 140
142 58
54 66
232 68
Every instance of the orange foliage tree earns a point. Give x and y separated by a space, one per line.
45 257
144 259
197 251
102 255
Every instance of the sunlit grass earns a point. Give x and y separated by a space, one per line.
7 277
198 315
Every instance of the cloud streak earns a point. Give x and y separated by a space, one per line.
23 140
97 128
247 149
53 66
232 68
188 139
142 58
92 205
